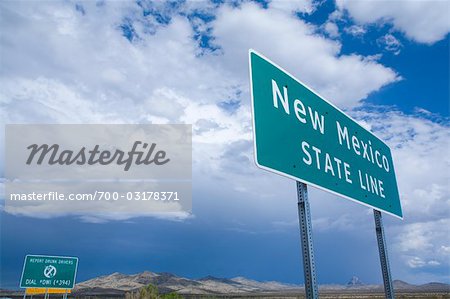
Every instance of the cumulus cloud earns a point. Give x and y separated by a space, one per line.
355 30
417 262
390 43
292 43
63 66
60 61
305 6
420 150
331 29
112 63
422 21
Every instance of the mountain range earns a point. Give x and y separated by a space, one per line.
118 283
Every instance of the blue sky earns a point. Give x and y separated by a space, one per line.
385 63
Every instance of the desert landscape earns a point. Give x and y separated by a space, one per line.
167 285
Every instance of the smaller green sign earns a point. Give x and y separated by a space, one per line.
56 272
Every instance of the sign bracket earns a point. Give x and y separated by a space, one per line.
304 217
385 269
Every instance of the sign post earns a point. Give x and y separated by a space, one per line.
385 269
304 217
300 135
54 274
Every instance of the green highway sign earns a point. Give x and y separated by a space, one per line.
299 134
56 272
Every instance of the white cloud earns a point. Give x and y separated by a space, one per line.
331 29
64 66
293 44
421 157
422 21
445 249
86 66
305 6
60 66
419 147
433 263
419 244
390 43
355 30
416 262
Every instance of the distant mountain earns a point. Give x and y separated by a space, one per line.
118 283
168 282
401 285
354 282
266 285
434 286
122 283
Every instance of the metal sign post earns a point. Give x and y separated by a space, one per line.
304 217
387 278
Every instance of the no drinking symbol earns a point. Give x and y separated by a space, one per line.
49 271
